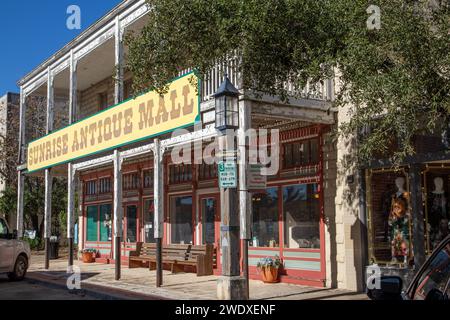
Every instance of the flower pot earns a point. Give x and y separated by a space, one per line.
88 257
270 275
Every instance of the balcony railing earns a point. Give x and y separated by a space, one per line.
212 81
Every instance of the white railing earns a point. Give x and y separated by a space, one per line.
212 81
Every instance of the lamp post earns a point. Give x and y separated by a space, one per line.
230 286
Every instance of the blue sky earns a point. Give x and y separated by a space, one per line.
32 30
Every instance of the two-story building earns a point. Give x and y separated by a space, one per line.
117 157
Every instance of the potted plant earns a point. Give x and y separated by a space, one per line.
88 255
268 267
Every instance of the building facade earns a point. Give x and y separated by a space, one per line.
310 214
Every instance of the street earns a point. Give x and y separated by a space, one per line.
29 290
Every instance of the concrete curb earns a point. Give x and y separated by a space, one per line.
94 291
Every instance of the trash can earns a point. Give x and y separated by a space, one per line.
54 248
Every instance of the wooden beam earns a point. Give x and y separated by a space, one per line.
290 112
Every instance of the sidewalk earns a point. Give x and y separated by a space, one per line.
139 284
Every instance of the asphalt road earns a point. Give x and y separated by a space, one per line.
29 290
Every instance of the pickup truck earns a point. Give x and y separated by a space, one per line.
14 253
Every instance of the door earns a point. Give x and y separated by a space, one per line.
149 220
131 230
210 225
6 248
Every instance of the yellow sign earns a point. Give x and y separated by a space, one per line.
146 116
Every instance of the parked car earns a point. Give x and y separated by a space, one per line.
431 282
14 253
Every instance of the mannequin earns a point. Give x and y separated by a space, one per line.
438 213
399 223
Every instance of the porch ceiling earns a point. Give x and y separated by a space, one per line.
267 122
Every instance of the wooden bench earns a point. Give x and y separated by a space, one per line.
176 255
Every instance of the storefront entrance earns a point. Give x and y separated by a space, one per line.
209 225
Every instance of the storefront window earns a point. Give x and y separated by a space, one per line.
92 223
149 216
131 224
148 178
209 220
300 153
390 217
301 213
265 219
437 207
105 223
181 220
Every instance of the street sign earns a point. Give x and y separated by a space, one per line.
256 181
228 174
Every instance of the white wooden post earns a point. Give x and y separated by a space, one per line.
118 88
70 169
245 198
20 175
118 97
48 175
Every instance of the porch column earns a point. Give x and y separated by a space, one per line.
21 159
118 88
245 199
418 236
118 97
158 181
48 175
70 169
118 212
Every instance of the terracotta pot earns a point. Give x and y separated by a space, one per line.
269 275
88 257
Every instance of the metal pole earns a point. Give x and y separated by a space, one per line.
245 267
118 214
158 169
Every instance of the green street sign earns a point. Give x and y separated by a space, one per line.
228 174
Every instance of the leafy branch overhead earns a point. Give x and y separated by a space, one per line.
398 74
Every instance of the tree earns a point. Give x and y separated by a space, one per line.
34 188
395 73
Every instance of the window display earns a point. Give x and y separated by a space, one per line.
301 212
398 223
265 219
437 211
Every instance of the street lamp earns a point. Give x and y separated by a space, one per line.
227 109
231 286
